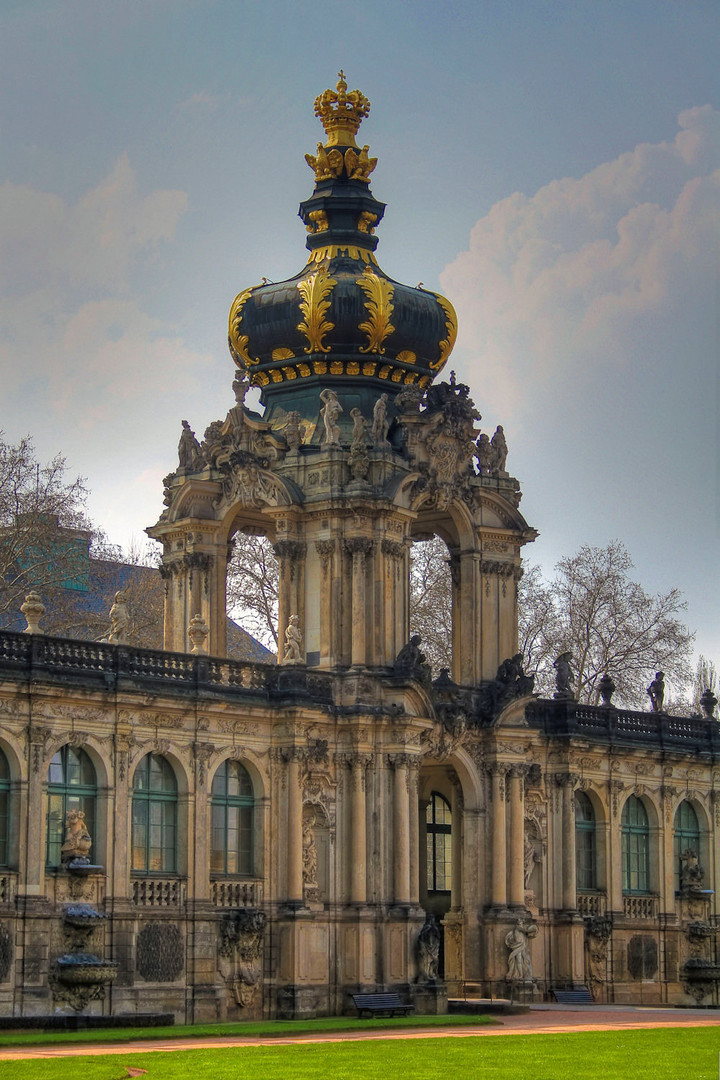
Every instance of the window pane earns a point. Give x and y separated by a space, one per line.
4 823
439 844
56 773
232 820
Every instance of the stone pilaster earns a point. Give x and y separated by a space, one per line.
498 854
290 555
358 841
359 547
517 836
401 827
567 783
292 758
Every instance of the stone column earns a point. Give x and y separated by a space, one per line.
358 868
390 631
614 839
359 547
414 825
667 849
567 782
517 836
289 553
498 895
120 877
456 809
329 644
401 828
202 753
294 827
33 868
468 631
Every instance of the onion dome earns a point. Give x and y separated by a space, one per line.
340 321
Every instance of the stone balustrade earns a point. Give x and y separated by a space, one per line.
237 894
158 892
640 907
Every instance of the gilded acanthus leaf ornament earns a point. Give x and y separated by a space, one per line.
239 342
314 307
379 293
447 344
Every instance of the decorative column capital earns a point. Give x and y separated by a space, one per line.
325 548
392 548
401 761
518 771
569 779
359 546
290 549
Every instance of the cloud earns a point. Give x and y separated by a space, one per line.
86 367
96 242
591 270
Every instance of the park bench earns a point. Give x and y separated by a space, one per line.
381 1005
582 996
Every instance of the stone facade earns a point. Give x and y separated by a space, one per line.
268 840
343 767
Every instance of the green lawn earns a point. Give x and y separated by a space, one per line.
270 1028
660 1054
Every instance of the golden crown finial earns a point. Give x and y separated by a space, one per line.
341 113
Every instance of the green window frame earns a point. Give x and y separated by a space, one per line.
585 843
4 810
71 785
635 847
232 809
439 844
154 817
686 834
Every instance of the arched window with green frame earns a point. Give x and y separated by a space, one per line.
439 844
72 785
585 843
4 810
233 810
154 817
635 847
686 836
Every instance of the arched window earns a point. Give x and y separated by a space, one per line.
4 810
231 850
686 835
154 817
635 847
585 843
72 785
439 844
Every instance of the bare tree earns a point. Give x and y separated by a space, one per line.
609 623
44 528
431 600
539 631
704 678
252 588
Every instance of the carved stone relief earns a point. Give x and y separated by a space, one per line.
240 952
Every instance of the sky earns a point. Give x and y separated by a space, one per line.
553 168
